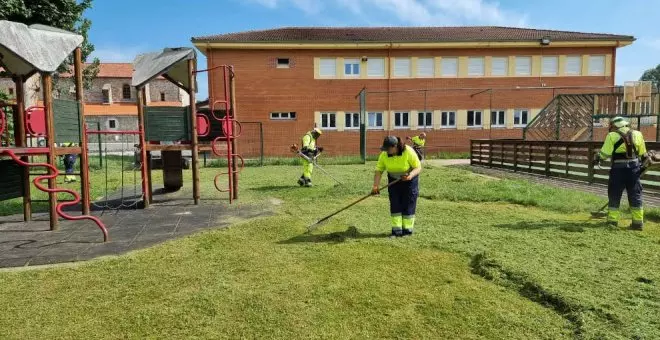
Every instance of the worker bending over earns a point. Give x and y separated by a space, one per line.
401 163
69 163
626 147
418 144
310 150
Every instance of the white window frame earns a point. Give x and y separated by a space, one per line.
500 114
593 72
287 65
426 114
550 61
472 67
328 120
401 114
430 66
481 118
116 124
519 113
448 114
348 123
443 66
398 68
375 126
372 67
354 64
329 61
567 70
505 71
528 72
283 115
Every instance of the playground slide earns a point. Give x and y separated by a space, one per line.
53 174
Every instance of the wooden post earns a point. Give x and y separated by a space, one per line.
547 159
590 160
471 152
515 156
146 192
234 168
47 86
84 157
490 153
193 125
20 137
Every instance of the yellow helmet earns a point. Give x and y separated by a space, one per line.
318 131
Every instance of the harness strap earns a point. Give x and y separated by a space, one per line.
627 138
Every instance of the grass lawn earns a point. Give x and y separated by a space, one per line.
496 259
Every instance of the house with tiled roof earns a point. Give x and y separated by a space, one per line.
454 83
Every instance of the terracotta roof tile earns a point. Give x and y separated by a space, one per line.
405 34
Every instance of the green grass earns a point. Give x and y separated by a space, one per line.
496 259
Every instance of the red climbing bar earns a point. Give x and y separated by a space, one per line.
110 132
25 151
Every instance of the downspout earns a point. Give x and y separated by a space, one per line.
389 81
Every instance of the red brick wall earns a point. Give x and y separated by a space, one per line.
262 88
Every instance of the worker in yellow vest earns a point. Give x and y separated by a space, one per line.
418 144
401 163
311 150
69 163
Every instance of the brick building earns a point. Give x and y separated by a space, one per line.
456 83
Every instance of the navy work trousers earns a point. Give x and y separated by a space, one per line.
403 196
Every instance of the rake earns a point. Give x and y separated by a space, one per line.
316 224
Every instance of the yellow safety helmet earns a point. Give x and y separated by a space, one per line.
619 122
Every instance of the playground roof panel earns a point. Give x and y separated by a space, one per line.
25 50
171 63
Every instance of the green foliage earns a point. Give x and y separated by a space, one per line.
63 14
653 75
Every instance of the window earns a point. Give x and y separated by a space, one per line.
162 96
596 65
282 115
328 120
352 120
352 67
497 118
106 96
523 66
282 62
328 67
425 68
448 119
520 117
112 123
376 67
375 120
476 66
573 65
500 66
425 119
126 91
11 91
402 67
473 118
550 66
449 67
400 120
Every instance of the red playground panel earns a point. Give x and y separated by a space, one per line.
203 125
35 121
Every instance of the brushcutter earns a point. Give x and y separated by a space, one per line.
294 148
650 159
315 225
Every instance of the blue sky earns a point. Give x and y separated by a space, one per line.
122 28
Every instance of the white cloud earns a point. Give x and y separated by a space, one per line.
307 6
116 54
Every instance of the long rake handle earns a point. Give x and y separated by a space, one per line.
356 202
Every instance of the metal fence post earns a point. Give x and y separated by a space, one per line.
261 137
98 128
363 127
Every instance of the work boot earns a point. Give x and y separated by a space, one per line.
635 227
308 183
407 232
396 232
301 181
613 224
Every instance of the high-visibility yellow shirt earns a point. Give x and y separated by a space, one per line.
418 141
613 137
308 141
68 144
396 165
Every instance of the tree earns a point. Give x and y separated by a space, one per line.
63 14
652 75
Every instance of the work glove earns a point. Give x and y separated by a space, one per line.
596 161
319 149
406 178
375 190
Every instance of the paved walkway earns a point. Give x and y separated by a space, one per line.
29 244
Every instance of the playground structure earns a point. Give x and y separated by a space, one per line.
26 51
168 130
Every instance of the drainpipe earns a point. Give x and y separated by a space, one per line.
389 82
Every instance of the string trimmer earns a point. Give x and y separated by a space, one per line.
651 159
295 149
316 224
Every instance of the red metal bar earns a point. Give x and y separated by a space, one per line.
62 204
111 132
26 151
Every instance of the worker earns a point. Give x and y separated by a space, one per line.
625 147
401 163
418 144
311 151
69 163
